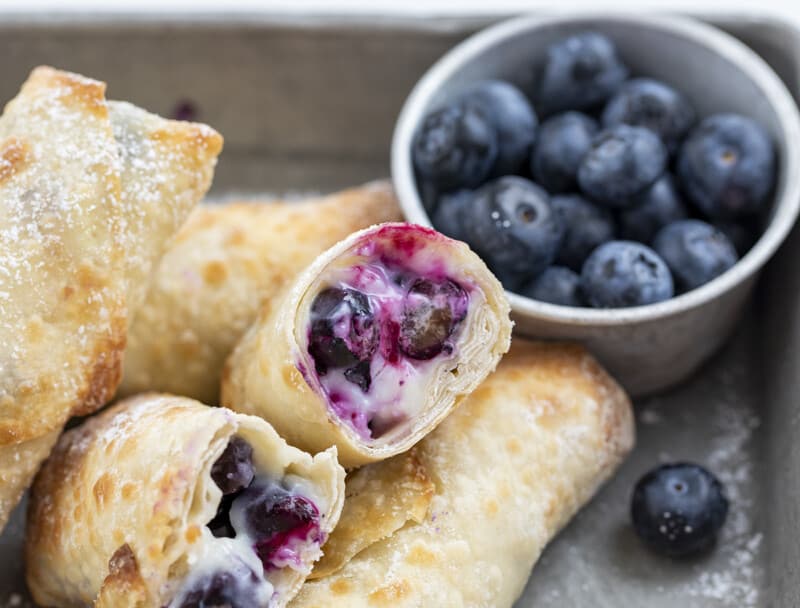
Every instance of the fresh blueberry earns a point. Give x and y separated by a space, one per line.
274 517
727 166
742 234
343 331
450 211
622 162
586 226
579 72
514 228
656 207
431 313
455 147
556 285
695 252
234 470
619 274
563 141
643 102
513 118
678 509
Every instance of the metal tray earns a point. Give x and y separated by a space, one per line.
309 104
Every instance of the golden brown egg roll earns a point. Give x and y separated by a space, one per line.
90 192
373 344
224 262
461 520
163 501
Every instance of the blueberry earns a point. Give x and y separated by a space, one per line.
513 119
643 102
455 147
450 211
579 73
431 313
742 234
563 141
556 285
653 209
234 470
221 526
695 252
219 591
622 162
619 274
678 509
514 229
343 329
586 226
360 375
727 166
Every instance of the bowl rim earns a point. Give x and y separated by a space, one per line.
786 207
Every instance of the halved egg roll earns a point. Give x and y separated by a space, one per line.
90 192
161 501
461 519
222 265
373 344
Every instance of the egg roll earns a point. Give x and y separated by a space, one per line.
223 264
90 193
161 501
373 344
461 519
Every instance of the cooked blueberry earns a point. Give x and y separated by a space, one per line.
343 329
455 147
234 469
678 509
556 285
359 375
513 119
653 209
742 234
623 273
431 312
514 228
622 162
219 591
695 252
450 211
644 102
563 141
579 72
727 166
586 226
221 526
274 517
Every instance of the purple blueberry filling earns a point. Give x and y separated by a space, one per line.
223 589
234 470
373 331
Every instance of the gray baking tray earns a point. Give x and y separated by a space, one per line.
309 105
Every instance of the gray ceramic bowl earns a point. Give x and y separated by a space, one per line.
649 347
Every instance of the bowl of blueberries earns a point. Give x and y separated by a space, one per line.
625 177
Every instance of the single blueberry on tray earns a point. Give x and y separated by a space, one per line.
579 72
513 118
586 226
727 166
563 141
656 207
695 252
623 273
678 509
622 162
644 102
455 147
514 228
556 285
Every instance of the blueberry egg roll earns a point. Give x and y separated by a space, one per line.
461 519
225 261
161 501
373 344
90 193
